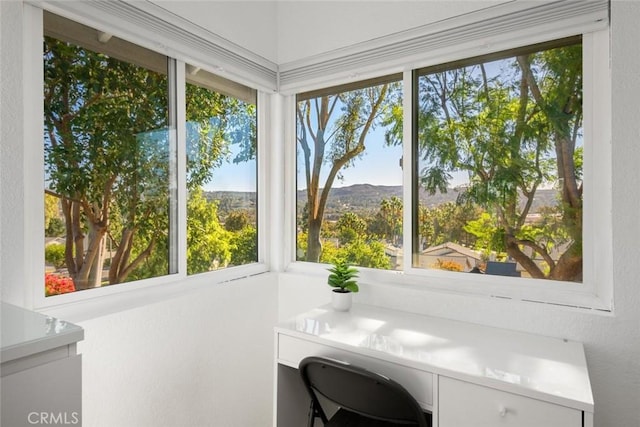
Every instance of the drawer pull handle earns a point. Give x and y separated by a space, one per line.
502 411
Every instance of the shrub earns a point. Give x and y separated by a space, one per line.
54 254
55 284
448 265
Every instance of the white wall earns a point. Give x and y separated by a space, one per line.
203 359
12 211
612 343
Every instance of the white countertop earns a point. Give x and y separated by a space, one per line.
546 368
26 332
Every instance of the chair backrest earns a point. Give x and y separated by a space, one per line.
360 390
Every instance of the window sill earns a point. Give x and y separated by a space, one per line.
87 305
473 286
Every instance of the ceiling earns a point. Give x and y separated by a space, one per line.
287 31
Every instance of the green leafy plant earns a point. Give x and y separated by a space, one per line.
54 254
343 276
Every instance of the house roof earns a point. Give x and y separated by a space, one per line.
450 248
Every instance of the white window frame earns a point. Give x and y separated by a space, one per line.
87 303
596 291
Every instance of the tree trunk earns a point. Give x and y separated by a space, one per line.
95 272
569 266
314 246
523 259
89 274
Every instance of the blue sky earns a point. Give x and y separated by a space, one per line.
233 176
379 165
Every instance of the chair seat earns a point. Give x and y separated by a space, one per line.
345 418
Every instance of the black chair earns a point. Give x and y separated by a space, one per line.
364 397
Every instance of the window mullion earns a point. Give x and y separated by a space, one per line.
179 101
408 234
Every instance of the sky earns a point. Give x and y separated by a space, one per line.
379 165
233 176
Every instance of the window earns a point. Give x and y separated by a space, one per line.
221 173
504 158
349 196
111 144
499 155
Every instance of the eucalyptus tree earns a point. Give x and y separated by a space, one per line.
332 134
513 126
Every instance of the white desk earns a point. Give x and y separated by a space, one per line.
467 375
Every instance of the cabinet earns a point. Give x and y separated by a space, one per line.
41 372
466 375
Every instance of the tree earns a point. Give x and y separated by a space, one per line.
363 253
511 131
388 221
105 152
332 132
350 227
108 157
236 221
244 246
208 244
489 239
51 209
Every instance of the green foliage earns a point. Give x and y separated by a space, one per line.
358 251
343 276
214 123
54 254
209 245
489 238
51 209
512 126
107 154
331 133
350 226
446 222
236 221
244 246
387 223
364 253
55 228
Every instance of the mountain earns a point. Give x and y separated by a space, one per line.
358 198
365 198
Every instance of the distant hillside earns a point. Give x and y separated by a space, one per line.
229 201
365 198
359 198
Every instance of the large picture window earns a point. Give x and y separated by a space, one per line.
498 172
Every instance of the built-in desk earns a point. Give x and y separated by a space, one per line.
465 374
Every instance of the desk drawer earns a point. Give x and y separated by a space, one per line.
419 383
462 404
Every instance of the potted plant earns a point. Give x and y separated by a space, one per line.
342 278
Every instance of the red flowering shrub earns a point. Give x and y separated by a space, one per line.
55 285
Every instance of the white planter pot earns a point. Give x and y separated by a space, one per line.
341 301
